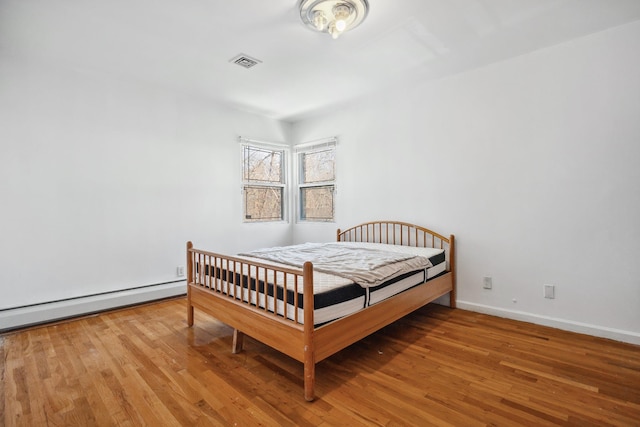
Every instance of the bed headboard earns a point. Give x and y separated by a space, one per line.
394 233
400 233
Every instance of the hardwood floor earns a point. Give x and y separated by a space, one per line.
437 366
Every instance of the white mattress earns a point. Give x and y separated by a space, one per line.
334 296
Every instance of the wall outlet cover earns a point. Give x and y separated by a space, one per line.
549 291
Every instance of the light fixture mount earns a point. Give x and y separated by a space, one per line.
333 16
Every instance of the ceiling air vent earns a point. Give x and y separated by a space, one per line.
245 60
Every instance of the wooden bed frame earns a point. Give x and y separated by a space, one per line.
303 341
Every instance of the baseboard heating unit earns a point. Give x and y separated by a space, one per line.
30 315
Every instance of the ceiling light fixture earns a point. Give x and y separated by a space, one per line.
333 16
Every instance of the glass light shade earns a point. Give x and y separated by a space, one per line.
333 31
333 16
319 20
341 12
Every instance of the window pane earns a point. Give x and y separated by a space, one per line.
317 203
318 166
262 165
263 203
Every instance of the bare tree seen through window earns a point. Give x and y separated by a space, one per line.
263 184
317 185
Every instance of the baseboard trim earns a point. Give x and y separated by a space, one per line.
567 325
22 317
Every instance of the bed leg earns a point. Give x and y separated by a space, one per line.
189 308
238 340
189 315
309 380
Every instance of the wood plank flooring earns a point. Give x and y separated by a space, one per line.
437 366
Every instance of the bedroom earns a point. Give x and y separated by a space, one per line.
111 151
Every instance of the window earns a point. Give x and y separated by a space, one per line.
263 182
317 181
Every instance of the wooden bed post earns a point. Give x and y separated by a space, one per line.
338 235
189 281
452 267
309 351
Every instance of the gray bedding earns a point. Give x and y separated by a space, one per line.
362 265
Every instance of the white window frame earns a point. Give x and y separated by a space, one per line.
282 185
308 148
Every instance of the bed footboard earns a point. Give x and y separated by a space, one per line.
253 298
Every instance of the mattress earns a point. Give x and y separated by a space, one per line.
334 296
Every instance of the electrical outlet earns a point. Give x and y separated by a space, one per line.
487 282
549 291
180 271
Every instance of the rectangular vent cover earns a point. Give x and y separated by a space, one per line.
245 60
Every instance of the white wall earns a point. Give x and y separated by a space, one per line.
103 180
532 163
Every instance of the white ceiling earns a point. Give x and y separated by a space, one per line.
187 44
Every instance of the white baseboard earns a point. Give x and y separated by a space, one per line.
567 325
48 312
